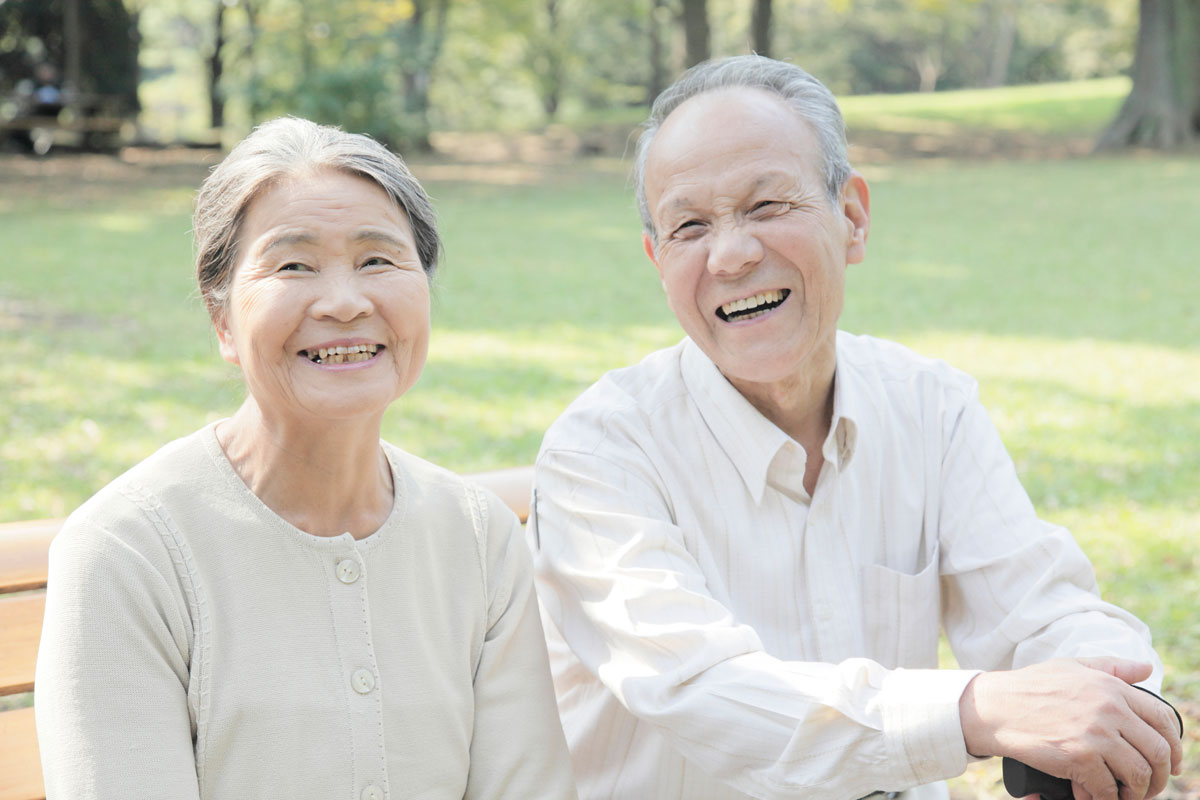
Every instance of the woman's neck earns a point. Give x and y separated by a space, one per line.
325 479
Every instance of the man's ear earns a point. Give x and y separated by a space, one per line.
856 206
225 343
648 246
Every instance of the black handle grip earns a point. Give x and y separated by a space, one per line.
1021 779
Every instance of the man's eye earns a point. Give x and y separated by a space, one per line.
768 206
689 228
377 261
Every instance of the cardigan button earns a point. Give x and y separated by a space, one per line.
347 570
363 681
372 792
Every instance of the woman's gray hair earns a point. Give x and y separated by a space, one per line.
281 149
804 93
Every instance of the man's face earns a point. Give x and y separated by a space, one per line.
751 251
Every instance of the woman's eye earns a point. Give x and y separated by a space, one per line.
376 261
689 228
292 266
767 205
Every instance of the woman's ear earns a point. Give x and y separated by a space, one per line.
226 345
856 206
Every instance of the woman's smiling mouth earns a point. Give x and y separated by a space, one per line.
342 354
752 306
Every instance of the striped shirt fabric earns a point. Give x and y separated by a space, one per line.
716 633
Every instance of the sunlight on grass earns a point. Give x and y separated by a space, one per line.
1048 108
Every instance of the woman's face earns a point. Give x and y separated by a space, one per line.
328 311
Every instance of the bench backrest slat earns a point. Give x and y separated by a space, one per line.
22 616
23 549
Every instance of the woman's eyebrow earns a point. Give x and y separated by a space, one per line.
285 239
383 237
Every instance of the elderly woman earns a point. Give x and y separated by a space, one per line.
280 605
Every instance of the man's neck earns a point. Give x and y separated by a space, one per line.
801 406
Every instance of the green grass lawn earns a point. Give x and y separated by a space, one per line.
1068 287
1055 109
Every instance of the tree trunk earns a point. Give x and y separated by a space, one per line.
928 65
1004 35
760 25
256 103
424 47
73 47
216 102
695 31
553 81
658 72
1163 107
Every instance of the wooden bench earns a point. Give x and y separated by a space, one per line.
24 550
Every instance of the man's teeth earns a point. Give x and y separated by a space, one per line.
750 307
343 355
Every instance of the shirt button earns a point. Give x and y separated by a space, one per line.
372 792
347 570
363 680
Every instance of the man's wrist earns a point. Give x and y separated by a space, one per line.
977 735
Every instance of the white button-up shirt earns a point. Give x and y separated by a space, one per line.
715 632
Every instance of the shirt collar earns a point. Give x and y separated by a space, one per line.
750 440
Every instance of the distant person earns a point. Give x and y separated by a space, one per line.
747 543
281 605
47 96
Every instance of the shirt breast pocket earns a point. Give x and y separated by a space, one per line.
902 615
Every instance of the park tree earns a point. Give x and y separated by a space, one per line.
696 32
1163 106
760 27
216 64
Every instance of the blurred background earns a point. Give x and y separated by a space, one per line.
203 71
1035 180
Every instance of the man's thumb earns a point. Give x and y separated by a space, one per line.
1123 668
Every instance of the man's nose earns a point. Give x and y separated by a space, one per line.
733 250
342 298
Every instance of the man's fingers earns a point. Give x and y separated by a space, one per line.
1162 720
1093 779
1123 668
1135 776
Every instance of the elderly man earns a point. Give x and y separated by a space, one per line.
746 543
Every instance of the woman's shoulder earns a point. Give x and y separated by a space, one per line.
124 511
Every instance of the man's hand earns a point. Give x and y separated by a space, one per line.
1077 719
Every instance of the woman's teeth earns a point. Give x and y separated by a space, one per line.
343 355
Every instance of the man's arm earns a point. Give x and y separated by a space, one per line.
1020 597
617 580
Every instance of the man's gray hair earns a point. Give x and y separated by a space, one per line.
281 149
801 91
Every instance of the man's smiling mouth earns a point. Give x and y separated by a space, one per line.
342 355
753 306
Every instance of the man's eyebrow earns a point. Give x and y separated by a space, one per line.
774 178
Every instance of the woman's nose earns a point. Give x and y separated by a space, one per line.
733 250
342 297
